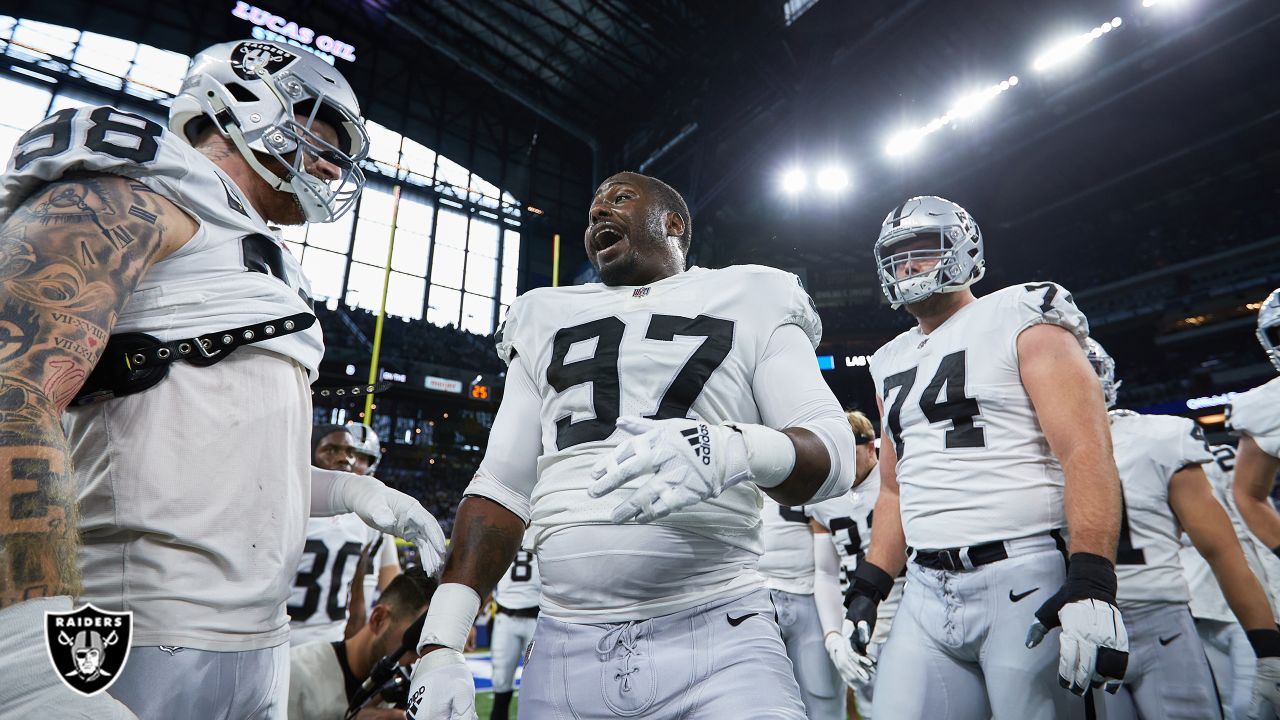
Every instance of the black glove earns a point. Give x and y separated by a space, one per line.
869 585
1089 578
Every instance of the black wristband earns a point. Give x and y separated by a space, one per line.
1089 577
871 580
1266 643
1276 551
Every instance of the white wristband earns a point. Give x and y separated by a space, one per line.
771 456
450 616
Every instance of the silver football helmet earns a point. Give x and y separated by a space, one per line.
254 92
1105 366
1269 326
958 255
366 443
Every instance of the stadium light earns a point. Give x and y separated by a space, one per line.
794 181
906 141
1071 47
903 143
832 179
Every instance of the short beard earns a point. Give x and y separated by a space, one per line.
931 305
283 208
620 271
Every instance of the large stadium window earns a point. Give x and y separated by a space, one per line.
404 296
482 259
445 305
364 286
38 41
324 269
334 236
477 314
413 237
451 172
104 60
342 259
157 73
510 265
417 162
25 105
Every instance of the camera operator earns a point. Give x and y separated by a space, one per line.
325 677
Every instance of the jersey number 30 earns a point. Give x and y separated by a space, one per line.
601 370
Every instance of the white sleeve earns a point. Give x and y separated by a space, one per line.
510 466
326 492
826 586
790 392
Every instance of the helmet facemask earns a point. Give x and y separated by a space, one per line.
1269 327
321 201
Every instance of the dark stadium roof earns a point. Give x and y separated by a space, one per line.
718 96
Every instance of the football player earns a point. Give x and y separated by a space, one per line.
994 441
147 253
689 391
1255 416
327 601
516 596
1230 656
1164 488
803 579
383 561
324 677
846 521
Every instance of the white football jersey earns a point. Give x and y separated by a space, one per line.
322 587
235 271
1149 449
848 518
1256 413
317 683
787 561
973 464
520 587
1207 600
684 346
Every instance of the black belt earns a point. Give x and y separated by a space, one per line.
133 362
952 559
519 612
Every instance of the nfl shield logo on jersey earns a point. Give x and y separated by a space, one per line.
88 647
640 292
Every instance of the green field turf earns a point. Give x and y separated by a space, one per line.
484 704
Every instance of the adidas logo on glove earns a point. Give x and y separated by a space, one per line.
700 440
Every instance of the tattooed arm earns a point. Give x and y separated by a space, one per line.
69 257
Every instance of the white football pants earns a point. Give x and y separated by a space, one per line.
957 648
722 659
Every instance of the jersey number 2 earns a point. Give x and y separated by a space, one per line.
957 406
601 370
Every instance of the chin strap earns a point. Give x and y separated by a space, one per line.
228 125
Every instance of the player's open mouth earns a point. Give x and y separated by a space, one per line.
606 236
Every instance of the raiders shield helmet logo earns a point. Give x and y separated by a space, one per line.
249 55
88 647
